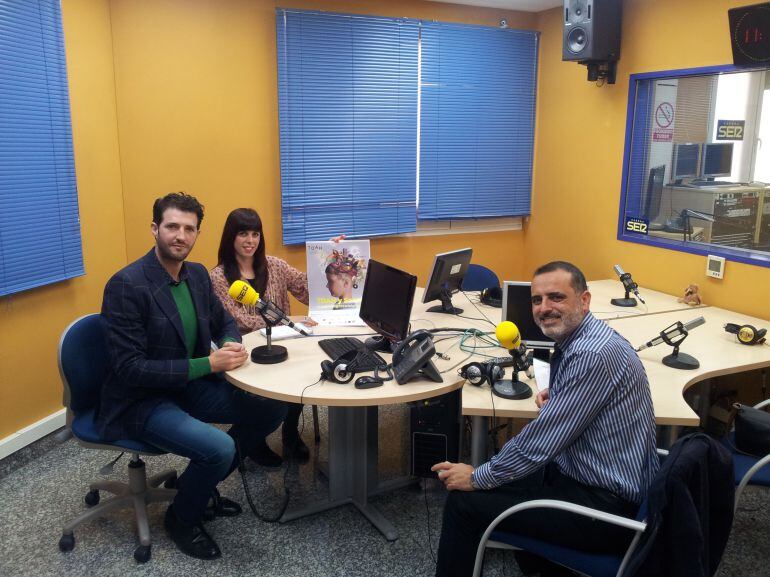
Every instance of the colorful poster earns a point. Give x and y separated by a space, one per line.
335 274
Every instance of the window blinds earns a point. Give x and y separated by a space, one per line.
39 225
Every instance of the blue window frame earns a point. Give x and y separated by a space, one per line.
39 224
718 210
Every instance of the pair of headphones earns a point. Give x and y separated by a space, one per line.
340 370
492 296
479 373
747 334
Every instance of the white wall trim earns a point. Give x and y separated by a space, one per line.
32 433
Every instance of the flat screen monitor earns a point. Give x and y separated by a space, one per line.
651 209
386 303
686 159
517 308
717 159
446 278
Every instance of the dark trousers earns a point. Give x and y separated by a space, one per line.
180 426
291 422
468 514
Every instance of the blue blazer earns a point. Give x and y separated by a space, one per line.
148 361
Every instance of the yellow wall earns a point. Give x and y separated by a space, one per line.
31 322
197 111
579 153
181 94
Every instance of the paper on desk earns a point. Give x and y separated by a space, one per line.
542 374
283 332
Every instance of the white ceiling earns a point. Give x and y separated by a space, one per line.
523 5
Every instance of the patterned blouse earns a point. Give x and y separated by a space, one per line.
282 280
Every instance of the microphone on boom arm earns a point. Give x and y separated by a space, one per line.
673 336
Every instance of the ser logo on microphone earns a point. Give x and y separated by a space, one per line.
637 225
242 294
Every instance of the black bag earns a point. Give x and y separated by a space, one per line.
752 430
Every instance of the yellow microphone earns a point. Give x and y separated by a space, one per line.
243 293
508 335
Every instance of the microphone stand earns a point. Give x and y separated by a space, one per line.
269 354
513 388
628 300
677 360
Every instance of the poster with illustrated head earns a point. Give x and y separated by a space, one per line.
335 274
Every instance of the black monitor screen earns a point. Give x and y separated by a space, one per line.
448 272
517 308
654 192
686 157
386 304
717 159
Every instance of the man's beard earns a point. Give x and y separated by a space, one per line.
569 322
167 254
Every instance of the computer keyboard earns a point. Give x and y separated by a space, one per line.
366 359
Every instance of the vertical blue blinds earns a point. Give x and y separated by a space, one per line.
347 97
477 121
39 226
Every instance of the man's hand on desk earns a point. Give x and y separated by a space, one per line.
542 398
230 356
455 476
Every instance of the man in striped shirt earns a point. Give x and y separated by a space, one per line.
593 442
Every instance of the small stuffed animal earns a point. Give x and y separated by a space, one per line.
691 296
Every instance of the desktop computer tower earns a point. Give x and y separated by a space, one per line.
435 432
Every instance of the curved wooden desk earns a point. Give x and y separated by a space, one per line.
353 450
718 352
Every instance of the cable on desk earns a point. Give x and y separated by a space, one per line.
486 318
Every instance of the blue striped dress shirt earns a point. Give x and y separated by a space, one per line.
598 425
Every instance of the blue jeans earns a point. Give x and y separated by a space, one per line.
179 426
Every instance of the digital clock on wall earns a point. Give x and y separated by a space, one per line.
750 34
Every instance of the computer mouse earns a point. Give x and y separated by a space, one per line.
367 382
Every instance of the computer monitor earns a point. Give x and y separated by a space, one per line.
686 161
446 278
386 303
717 159
517 308
651 209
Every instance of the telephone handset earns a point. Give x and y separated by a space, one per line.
412 357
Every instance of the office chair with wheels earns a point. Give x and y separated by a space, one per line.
83 366
693 459
748 470
479 277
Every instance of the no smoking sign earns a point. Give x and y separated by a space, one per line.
664 115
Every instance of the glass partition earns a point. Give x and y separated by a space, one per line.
696 173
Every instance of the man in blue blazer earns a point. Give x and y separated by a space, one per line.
164 385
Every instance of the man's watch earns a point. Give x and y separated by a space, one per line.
473 481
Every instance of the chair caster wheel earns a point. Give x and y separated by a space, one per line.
67 542
170 483
142 553
92 498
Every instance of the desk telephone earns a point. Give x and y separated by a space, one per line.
412 357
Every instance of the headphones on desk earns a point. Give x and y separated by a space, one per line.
340 370
479 373
492 296
747 334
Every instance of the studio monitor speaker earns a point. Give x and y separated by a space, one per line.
591 30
